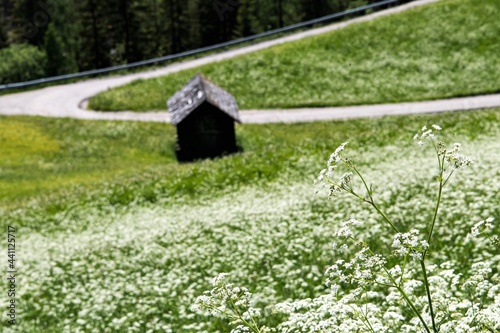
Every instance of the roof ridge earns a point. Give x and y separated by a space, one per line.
188 98
202 83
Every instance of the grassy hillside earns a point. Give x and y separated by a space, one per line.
133 237
49 161
46 155
447 49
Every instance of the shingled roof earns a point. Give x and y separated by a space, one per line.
198 90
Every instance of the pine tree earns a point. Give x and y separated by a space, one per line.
267 14
65 35
3 33
174 25
60 59
30 22
143 30
247 22
279 5
5 22
156 31
194 28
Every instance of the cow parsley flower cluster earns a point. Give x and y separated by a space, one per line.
427 134
409 244
344 182
482 227
449 159
226 300
455 159
366 266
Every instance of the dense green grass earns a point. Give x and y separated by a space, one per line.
447 49
52 164
45 155
139 241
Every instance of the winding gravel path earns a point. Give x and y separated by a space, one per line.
69 100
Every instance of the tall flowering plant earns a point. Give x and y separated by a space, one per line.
368 267
393 291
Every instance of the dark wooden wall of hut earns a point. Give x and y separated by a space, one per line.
206 133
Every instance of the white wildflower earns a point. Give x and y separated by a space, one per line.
479 227
335 156
409 244
345 230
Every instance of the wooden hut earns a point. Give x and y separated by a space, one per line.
204 115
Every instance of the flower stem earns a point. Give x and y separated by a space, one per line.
413 308
427 289
383 215
407 299
371 201
429 238
435 212
405 296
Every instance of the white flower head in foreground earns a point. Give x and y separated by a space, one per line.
215 300
455 159
228 301
335 156
450 159
483 227
326 176
362 269
219 279
408 244
345 230
426 134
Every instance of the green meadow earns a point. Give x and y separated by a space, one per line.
117 236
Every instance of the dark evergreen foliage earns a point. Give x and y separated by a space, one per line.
88 34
